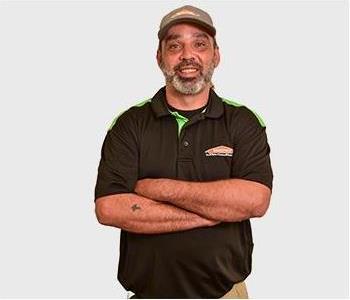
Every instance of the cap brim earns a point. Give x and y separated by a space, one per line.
207 28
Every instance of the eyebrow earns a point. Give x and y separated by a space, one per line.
201 34
171 37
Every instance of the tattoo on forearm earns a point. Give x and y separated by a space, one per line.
134 207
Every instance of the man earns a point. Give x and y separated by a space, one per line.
182 173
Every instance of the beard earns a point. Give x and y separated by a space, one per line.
186 85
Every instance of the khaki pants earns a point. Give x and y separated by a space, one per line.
238 291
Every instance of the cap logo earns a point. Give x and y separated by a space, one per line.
184 12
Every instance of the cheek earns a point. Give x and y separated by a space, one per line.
169 64
210 61
171 59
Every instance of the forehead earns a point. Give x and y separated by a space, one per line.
183 31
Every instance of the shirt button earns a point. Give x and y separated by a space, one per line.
186 143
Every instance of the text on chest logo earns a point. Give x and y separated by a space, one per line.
219 151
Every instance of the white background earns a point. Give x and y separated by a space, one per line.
68 68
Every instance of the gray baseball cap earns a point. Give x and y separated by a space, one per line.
186 14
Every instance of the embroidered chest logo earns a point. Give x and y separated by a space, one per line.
219 151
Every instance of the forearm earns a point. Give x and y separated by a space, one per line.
227 200
139 214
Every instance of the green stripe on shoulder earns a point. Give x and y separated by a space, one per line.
231 102
143 102
236 104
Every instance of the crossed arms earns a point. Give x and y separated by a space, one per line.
167 205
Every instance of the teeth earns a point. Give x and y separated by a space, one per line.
188 70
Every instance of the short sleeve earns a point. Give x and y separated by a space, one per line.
118 167
251 157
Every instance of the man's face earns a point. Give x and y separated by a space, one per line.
187 58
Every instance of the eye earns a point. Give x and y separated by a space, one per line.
173 46
201 45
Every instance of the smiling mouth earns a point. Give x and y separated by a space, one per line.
188 70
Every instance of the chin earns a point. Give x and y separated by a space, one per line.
189 90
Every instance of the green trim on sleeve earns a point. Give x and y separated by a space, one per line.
236 104
114 121
143 102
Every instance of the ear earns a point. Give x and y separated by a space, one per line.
159 57
216 56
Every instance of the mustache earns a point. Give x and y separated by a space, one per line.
188 63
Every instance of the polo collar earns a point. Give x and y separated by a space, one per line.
215 106
214 109
158 104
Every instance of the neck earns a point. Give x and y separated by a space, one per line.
186 102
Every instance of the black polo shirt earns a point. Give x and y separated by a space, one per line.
224 140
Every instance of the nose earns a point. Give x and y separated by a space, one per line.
186 53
